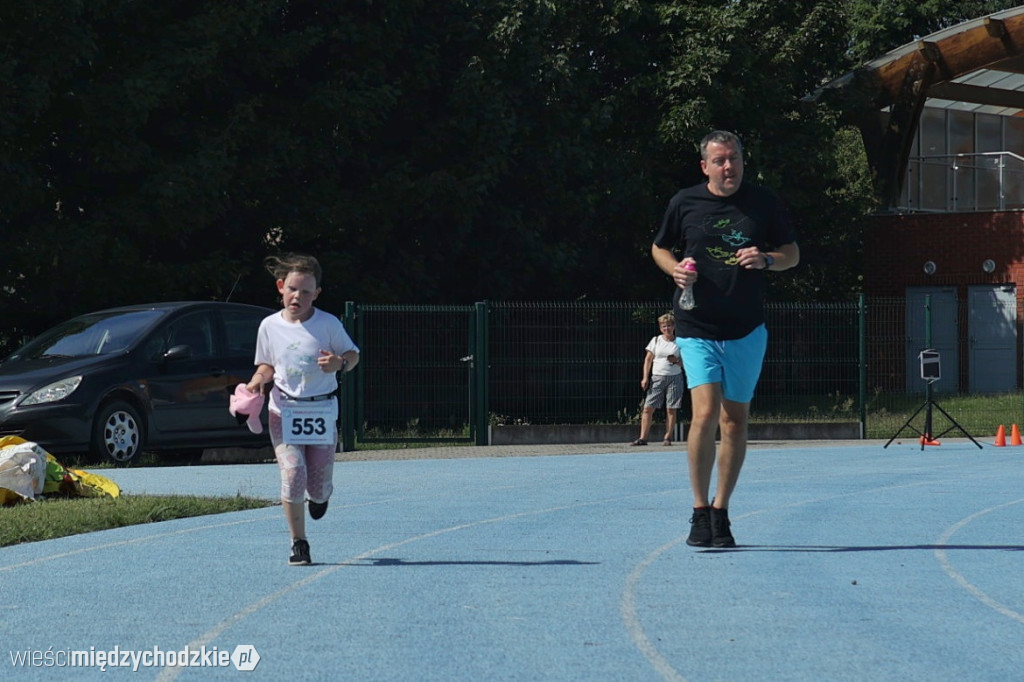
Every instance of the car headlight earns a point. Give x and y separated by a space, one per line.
58 390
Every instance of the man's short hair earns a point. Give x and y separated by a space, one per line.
720 137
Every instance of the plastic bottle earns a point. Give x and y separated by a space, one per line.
686 301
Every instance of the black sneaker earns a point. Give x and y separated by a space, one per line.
317 509
700 528
300 554
721 536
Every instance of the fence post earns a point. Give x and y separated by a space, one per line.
862 362
481 375
348 387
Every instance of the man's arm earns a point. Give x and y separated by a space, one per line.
786 256
666 260
782 258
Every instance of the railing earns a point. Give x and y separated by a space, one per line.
448 372
947 183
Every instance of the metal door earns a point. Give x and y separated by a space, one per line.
943 336
992 338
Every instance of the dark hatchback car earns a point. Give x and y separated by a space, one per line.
115 382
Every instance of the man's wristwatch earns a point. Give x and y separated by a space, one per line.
768 260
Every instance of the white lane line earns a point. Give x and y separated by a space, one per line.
159 536
123 543
169 674
627 603
630 618
947 566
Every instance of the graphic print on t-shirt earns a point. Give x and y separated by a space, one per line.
732 235
305 363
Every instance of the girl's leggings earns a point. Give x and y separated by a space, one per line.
306 470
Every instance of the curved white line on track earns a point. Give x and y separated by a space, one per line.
627 607
168 674
972 589
627 604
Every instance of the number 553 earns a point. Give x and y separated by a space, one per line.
309 426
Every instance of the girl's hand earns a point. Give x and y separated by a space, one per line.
263 375
329 362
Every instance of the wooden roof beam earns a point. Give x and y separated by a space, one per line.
996 28
974 94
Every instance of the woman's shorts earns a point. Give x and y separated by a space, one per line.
735 364
665 389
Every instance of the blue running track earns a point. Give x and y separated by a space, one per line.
854 563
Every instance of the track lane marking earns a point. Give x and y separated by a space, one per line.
958 577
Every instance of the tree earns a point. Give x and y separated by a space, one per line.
875 27
428 152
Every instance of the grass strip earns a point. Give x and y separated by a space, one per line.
51 518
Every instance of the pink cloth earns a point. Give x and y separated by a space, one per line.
245 402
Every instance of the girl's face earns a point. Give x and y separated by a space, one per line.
298 291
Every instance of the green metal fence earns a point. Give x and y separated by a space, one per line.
447 372
422 373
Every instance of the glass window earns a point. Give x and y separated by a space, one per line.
934 181
933 132
911 194
1013 135
934 177
194 331
965 183
240 328
961 132
92 334
990 133
1013 171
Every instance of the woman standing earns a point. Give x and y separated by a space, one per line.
662 380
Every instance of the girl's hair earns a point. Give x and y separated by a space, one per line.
280 266
667 317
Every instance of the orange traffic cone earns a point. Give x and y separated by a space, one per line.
1000 437
926 439
1015 436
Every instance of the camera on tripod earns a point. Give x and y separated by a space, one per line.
930 369
930 372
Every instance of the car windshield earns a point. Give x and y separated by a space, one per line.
95 334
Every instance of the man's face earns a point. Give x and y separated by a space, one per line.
724 168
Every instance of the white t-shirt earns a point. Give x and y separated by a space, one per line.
662 349
293 348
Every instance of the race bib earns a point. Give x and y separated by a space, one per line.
309 423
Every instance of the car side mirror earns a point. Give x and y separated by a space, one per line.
181 352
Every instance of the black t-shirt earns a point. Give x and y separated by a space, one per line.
710 229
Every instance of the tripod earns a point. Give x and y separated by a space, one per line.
926 435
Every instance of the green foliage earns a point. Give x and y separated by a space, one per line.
428 152
879 26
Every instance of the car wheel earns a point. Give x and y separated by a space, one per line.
117 432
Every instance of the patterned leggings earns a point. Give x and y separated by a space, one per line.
305 469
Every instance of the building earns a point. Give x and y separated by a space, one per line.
942 119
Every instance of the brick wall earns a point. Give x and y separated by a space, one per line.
896 248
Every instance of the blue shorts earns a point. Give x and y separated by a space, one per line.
736 364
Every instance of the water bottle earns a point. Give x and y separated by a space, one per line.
686 301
